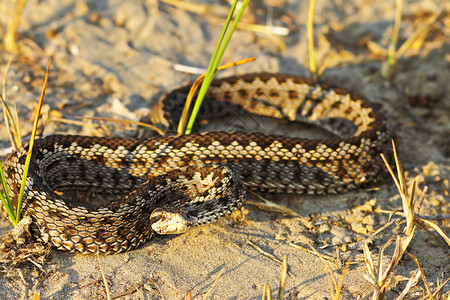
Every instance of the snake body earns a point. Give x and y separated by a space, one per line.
169 184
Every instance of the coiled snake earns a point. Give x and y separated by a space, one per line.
169 184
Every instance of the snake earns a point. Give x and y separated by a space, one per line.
88 194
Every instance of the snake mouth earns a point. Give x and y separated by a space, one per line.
165 222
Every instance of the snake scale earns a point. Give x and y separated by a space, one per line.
168 184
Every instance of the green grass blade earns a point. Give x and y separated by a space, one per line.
5 187
30 146
215 61
6 200
219 43
24 182
9 211
388 66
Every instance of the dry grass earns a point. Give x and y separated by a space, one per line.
210 290
267 292
310 35
13 127
216 14
383 279
416 41
18 247
16 251
11 121
188 103
10 38
105 282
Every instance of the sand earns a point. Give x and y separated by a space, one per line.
116 58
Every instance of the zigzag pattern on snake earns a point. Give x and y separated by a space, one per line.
172 183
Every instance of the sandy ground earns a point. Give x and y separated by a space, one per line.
115 58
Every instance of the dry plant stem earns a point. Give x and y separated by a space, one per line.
272 257
310 35
14 132
271 206
394 39
413 280
337 293
16 123
437 229
439 289
13 24
420 32
387 68
326 257
284 272
425 281
187 105
71 122
381 280
267 292
159 289
393 56
378 278
126 122
215 15
105 282
130 291
270 32
370 266
30 147
200 9
188 69
421 221
332 281
400 247
400 182
88 284
214 284
188 295
373 235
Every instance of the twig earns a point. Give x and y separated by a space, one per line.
14 132
126 122
388 71
105 282
284 272
205 297
310 35
10 37
267 292
272 257
425 281
130 291
423 219
325 256
271 206
157 286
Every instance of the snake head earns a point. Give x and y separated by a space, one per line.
166 222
